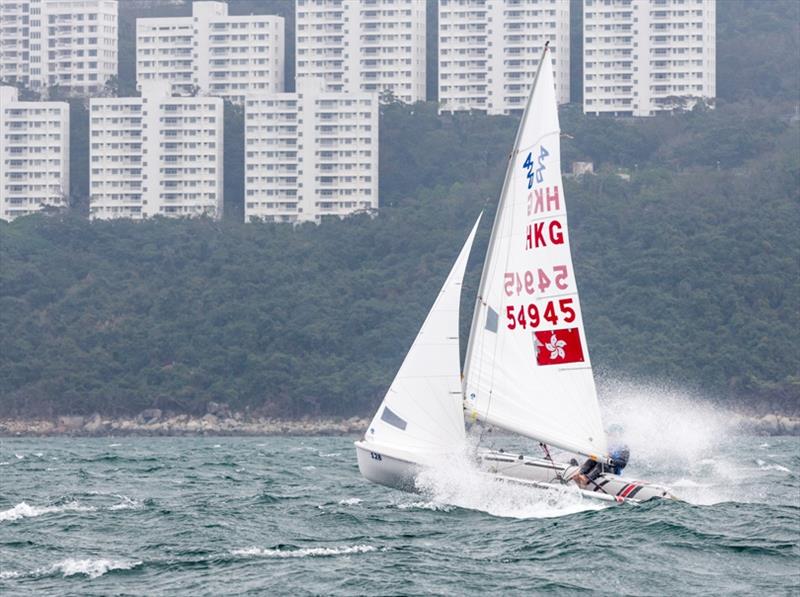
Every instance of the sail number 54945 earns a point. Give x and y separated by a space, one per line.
529 316
530 281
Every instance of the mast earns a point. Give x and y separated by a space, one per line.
527 366
495 225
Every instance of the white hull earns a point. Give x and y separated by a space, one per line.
381 468
378 466
608 487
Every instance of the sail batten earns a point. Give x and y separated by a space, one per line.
527 367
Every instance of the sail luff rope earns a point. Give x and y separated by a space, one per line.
501 337
509 174
489 252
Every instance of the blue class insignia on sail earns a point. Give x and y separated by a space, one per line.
538 174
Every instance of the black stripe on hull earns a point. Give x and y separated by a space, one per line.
634 492
599 486
624 487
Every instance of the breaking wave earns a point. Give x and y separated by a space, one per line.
24 510
422 505
90 567
771 467
306 552
127 504
350 502
93 567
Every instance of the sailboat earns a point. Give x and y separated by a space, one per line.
527 368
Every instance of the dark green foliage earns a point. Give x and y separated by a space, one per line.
79 156
757 48
694 277
432 50
233 162
576 51
688 271
420 149
79 145
118 316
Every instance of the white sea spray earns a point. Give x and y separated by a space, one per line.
679 439
456 480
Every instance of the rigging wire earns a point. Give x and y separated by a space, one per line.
550 458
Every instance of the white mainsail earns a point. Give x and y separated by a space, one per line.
527 367
422 412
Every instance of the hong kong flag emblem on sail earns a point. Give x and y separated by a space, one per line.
557 347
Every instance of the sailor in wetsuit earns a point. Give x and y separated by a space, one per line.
619 455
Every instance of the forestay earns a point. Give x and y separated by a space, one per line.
422 412
527 368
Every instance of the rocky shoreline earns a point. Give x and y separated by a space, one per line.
153 422
221 421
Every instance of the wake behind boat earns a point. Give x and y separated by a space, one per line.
527 367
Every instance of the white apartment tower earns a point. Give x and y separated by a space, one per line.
34 155
156 155
224 56
310 154
489 51
644 56
67 43
363 45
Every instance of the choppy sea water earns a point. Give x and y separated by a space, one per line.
291 515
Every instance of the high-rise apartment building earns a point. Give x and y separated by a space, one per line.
71 44
644 56
156 155
489 51
15 33
34 155
310 154
220 55
363 45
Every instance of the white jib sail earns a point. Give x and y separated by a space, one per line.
422 412
527 367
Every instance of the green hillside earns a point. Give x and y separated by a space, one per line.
685 243
688 271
